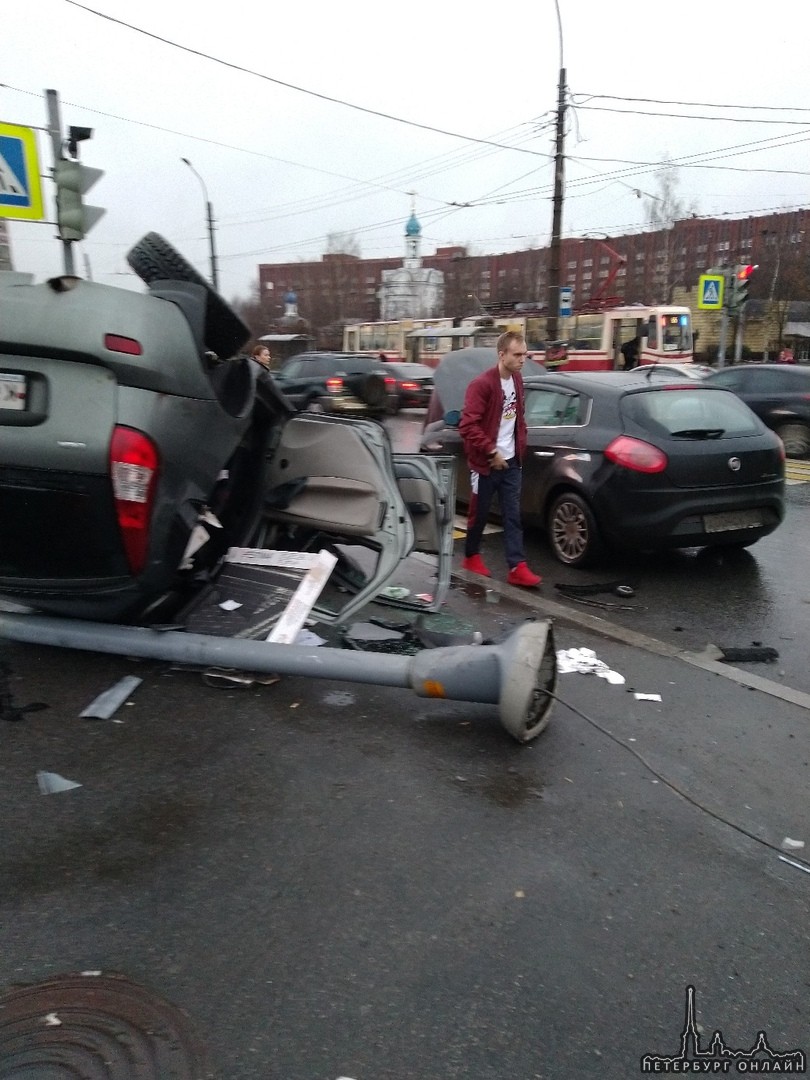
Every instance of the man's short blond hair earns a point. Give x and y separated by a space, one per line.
506 339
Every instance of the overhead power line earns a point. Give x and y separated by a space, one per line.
301 89
680 116
693 104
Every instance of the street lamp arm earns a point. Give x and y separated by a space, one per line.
209 213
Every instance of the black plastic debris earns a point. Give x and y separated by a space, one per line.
752 654
584 594
8 710
618 588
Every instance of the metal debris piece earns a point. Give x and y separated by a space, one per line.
51 783
228 678
798 865
107 703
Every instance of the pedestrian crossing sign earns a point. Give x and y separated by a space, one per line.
20 186
710 292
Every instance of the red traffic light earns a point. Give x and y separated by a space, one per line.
745 272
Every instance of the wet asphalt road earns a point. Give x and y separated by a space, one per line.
344 880
341 880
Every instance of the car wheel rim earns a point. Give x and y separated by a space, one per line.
796 439
570 532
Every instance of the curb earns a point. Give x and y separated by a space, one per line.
611 631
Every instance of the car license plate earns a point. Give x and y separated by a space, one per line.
735 519
12 391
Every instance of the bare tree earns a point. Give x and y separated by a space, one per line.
662 210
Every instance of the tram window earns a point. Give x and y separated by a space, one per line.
652 333
588 332
675 335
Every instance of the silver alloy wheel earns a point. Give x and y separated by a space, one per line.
570 532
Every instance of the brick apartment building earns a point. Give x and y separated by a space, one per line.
645 267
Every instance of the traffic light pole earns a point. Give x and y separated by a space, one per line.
721 348
55 132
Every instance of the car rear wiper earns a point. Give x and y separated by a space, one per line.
701 433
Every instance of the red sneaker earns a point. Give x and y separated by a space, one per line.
522 575
476 565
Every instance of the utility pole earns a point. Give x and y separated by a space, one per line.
556 218
55 132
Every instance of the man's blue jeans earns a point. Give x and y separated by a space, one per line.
506 484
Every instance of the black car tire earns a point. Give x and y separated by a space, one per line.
796 437
572 531
154 259
371 389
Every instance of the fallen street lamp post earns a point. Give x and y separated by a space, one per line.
519 674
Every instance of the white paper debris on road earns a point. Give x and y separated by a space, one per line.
586 662
106 704
52 1020
646 697
792 845
230 605
51 783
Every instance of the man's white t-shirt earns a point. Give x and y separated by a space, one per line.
506 431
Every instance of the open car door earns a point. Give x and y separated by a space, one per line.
334 483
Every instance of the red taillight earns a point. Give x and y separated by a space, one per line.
334 384
116 343
409 386
636 455
133 469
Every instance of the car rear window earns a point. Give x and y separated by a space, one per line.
670 411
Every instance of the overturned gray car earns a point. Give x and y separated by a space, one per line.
129 422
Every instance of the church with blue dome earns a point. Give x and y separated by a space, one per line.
412 291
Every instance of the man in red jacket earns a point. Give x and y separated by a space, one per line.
493 429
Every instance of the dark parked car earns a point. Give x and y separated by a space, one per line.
334 382
779 394
620 460
132 457
413 386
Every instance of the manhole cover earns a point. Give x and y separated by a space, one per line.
96 1027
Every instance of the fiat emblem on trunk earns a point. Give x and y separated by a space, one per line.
734 464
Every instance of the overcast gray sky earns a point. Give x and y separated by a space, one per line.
284 167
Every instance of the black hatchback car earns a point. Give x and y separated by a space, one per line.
620 460
335 382
779 394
